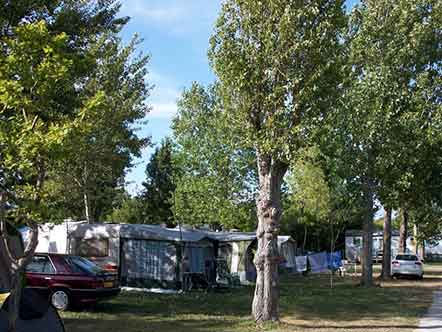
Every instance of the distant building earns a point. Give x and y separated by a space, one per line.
353 245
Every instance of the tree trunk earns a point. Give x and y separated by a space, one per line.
87 211
18 261
386 255
86 199
420 244
265 301
304 243
367 238
403 231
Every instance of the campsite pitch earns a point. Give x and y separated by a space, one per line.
307 304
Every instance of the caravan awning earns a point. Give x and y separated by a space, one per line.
231 236
155 232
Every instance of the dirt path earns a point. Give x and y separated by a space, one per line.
432 321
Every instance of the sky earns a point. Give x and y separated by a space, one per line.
176 35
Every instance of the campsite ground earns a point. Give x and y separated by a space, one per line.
307 304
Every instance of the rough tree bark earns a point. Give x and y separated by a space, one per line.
17 264
86 198
87 212
304 242
17 271
367 238
269 209
420 244
386 255
403 231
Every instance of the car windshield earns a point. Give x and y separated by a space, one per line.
80 264
406 258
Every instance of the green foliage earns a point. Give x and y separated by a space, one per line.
278 63
101 147
217 178
35 72
309 187
159 186
321 201
70 99
394 53
128 211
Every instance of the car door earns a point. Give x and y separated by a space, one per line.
39 273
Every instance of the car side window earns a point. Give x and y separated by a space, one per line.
40 264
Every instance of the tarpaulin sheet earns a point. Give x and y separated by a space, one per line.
287 251
301 263
334 260
318 262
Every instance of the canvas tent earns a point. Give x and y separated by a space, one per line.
53 238
150 255
147 255
238 250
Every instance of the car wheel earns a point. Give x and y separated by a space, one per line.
60 299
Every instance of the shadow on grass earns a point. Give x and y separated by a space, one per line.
306 303
313 299
235 303
360 327
142 324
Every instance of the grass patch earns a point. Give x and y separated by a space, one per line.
307 304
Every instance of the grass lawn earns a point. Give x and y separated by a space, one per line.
307 304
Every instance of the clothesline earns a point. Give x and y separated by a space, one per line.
319 262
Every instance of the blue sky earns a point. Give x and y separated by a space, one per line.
176 35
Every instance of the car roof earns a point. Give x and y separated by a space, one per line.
53 254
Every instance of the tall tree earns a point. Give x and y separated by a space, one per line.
34 71
393 47
100 150
159 186
216 178
386 254
44 59
277 64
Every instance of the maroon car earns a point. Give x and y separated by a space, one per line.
70 280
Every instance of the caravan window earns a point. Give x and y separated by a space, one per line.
357 242
92 247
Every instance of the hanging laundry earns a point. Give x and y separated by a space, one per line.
301 263
318 262
334 260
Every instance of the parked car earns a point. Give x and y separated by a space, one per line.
70 280
407 265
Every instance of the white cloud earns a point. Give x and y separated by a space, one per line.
148 11
180 16
163 110
164 96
